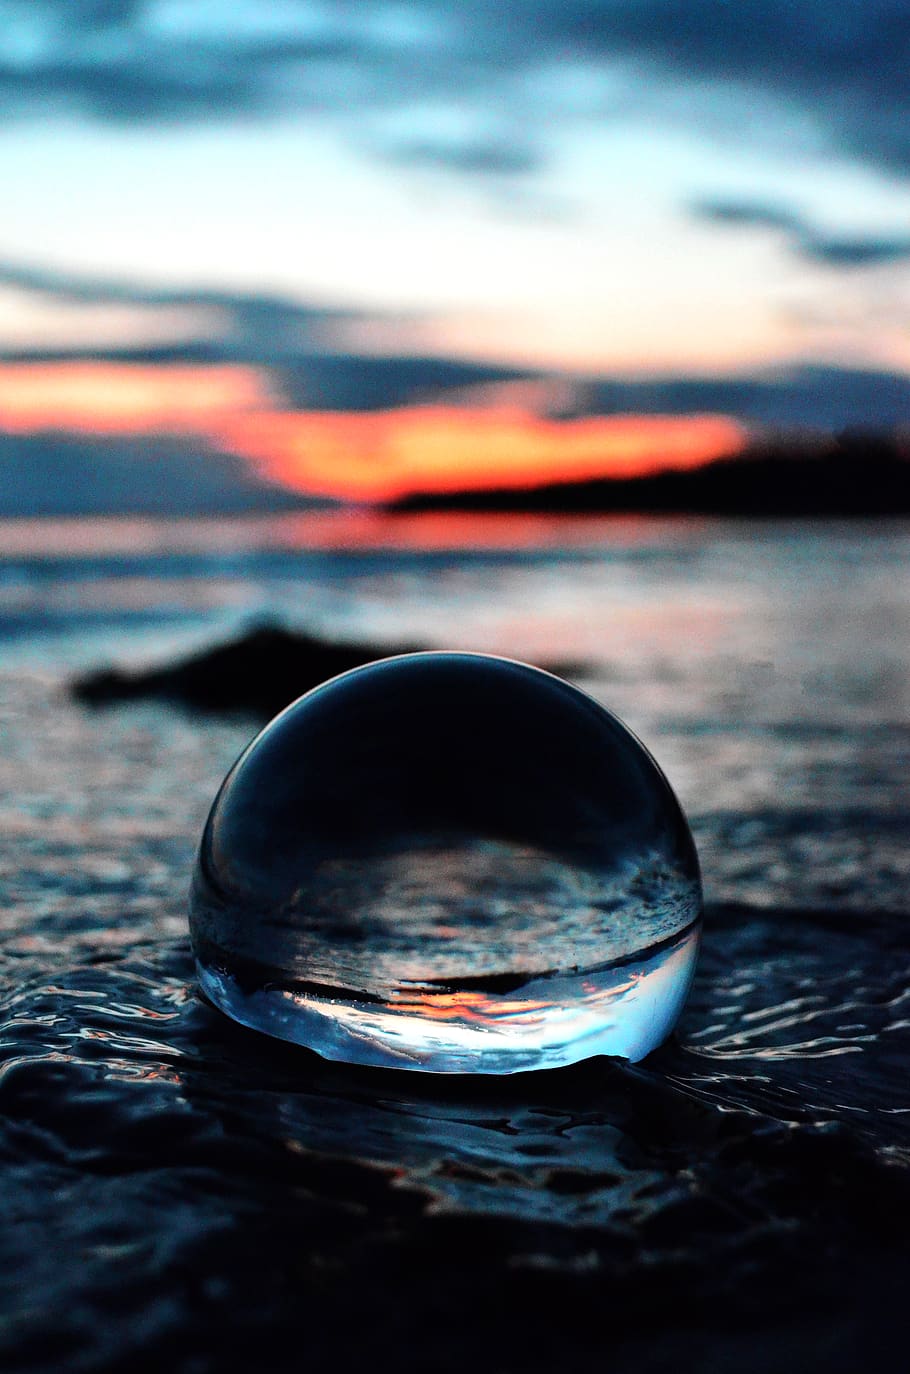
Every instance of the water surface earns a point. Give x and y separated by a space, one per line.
185 1193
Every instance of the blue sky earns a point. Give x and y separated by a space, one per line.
623 189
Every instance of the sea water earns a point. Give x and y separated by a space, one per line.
769 668
449 862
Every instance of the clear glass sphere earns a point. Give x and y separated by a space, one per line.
449 862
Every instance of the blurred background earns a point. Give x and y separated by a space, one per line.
299 297
357 250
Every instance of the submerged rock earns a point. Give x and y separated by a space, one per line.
257 674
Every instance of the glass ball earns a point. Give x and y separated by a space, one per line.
449 862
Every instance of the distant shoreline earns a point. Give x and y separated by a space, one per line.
858 476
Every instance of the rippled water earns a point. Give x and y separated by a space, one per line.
183 1192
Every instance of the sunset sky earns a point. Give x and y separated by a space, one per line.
377 247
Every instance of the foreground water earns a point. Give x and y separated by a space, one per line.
181 1191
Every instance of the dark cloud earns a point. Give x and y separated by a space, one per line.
302 349
808 242
843 66
116 68
841 69
475 157
365 382
748 214
827 399
241 319
313 381
823 398
302 345
856 252
68 474
79 14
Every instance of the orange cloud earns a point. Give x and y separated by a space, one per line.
124 398
380 455
371 456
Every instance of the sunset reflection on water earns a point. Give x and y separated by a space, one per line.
337 528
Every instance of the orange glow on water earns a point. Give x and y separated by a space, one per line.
351 529
476 1007
380 455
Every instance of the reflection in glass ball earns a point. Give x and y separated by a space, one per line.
449 862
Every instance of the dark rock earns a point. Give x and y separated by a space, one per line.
257 674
